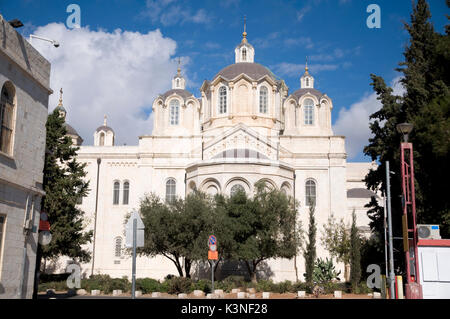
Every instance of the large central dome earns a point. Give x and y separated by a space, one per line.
253 70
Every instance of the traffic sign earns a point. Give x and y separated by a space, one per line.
213 255
212 240
139 231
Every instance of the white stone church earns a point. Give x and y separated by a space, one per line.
245 127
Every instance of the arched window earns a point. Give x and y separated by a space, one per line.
174 112
6 117
116 192
126 193
171 188
118 247
178 83
223 100
236 188
309 111
310 191
102 139
263 100
244 54
307 82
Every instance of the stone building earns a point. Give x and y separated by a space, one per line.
24 83
246 126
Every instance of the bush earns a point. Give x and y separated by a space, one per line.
203 285
178 285
55 285
148 285
302 286
361 288
324 271
232 282
282 287
264 285
105 284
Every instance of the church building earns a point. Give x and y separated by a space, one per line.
245 126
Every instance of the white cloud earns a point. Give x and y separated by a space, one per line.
302 12
301 41
353 122
169 13
118 74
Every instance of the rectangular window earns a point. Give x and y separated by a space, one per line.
2 231
6 126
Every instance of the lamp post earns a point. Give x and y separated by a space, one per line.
54 42
413 289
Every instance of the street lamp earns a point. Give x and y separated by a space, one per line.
405 129
54 42
413 289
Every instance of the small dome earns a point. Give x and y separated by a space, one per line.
300 92
70 130
183 93
104 128
253 70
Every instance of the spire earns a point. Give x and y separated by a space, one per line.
179 69
244 34
104 120
178 82
306 81
60 97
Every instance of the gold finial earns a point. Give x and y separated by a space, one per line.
244 34
104 120
306 65
179 69
60 97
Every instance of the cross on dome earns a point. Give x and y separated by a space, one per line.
178 81
244 52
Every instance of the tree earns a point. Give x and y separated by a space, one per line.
355 254
425 104
262 227
177 230
310 250
336 239
64 187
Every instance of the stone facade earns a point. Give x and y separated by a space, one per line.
24 76
246 127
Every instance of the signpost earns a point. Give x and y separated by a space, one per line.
213 256
134 233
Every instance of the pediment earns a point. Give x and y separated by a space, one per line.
237 140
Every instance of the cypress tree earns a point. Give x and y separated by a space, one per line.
355 254
310 251
64 187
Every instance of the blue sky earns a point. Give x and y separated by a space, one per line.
342 50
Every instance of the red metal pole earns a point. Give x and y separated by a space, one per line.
413 289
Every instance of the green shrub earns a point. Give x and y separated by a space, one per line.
230 283
178 285
361 288
324 271
55 285
264 285
105 283
148 285
203 285
282 287
302 286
